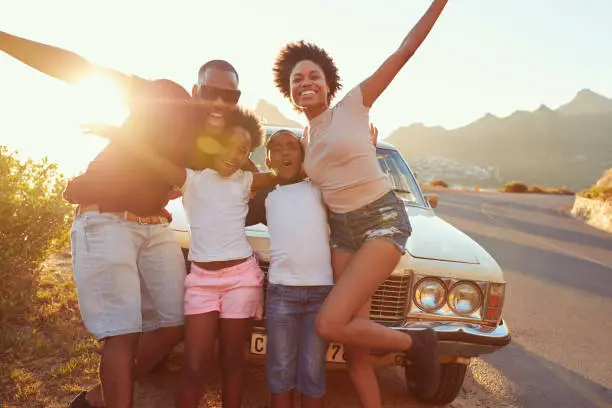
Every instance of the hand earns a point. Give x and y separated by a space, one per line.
373 134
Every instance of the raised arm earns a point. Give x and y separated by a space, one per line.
57 62
374 86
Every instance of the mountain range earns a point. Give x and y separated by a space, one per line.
567 147
570 146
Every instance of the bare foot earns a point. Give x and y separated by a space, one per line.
94 396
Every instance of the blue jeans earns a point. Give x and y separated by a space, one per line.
385 218
295 354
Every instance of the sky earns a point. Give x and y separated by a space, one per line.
482 56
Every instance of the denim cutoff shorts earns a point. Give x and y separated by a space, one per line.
384 218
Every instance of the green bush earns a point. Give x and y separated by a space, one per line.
34 220
515 187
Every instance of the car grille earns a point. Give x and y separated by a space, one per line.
390 300
388 303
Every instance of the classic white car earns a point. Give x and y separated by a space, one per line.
445 281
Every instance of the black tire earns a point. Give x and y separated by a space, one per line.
452 376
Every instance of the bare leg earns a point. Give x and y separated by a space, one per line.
233 335
359 363
338 321
361 370
312 402
117 369
200 335
283 400
152 347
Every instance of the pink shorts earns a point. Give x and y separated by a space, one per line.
234 292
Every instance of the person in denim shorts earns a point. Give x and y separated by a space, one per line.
369 224
300 276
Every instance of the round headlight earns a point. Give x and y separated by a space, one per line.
464 298
430 294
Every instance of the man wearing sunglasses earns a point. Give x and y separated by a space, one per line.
217 87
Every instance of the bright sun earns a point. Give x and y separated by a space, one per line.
59 133
100 101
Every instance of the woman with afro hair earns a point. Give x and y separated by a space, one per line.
369 224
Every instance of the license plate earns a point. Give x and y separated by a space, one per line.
335 351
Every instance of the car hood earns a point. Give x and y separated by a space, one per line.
432 237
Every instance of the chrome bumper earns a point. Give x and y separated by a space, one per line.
457 342
465 340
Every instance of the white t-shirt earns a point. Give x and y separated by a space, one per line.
299 236
216 208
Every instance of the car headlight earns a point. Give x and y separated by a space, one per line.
430 294
464 298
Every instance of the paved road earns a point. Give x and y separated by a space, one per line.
559 303
559 307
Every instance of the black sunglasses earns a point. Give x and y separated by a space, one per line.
210 93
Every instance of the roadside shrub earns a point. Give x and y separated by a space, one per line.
550 190
34 220
536 190
603 193
438 183
515 187
562 191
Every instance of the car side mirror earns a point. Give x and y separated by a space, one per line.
432 199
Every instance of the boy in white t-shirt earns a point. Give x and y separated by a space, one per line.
300 275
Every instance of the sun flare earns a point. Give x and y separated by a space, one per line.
99 101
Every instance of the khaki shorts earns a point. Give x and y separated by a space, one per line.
124 271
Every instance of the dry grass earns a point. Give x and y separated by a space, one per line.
550 190
48 354
603 193
518 187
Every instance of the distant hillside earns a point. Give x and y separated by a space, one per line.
570 146
273 116
586 101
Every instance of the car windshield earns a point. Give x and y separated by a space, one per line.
390 161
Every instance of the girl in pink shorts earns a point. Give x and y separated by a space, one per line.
224 289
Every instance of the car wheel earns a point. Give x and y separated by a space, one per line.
451 381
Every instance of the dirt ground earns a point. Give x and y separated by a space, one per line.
52 358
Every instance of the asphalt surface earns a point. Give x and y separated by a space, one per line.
558 307
559 297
